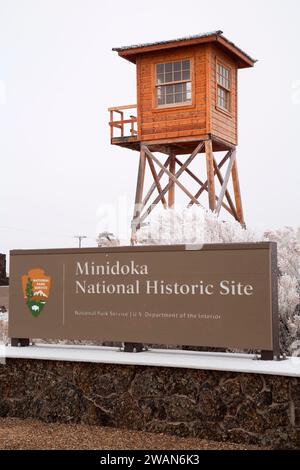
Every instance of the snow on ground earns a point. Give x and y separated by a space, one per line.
3 327
3 316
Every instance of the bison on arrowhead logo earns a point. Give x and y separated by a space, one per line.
36 290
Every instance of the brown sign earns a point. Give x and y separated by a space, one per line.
216 295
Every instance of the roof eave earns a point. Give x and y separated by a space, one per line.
243 59
131 54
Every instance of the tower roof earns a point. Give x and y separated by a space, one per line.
131 52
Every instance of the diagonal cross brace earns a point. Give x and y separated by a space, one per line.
190 173
225 182
151 190
172 178
155 177
205 185
228 197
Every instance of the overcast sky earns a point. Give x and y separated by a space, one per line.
58 76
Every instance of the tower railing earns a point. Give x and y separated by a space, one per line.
122 119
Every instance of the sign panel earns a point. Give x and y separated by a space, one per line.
216 296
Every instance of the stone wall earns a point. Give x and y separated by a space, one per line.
243 408
3 278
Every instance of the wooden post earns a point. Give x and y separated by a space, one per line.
138 347
228 197
132 129
138 195
225 182
171 193
204 187
111 127
210 175
237 193
122 124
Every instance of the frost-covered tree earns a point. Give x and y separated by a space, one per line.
106 239
288 242
195 225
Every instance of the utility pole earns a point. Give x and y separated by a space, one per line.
80 237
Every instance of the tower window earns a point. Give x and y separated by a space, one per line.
224 87
173 83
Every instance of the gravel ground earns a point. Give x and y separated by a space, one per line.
32 434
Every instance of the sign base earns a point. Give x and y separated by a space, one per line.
20 342
133 347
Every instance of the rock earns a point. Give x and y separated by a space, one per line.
242 408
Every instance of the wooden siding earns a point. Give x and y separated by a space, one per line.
197 119
223 124
173 122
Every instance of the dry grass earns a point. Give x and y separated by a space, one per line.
32 435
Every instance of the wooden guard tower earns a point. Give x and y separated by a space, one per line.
186 105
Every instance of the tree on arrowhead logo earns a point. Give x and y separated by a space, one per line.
36 290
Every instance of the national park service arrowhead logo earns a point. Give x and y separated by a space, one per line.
36 290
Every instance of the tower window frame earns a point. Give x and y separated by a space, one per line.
173 83
224 87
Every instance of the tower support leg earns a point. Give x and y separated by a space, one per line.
138 196
138 347
171 193
210 175
237 193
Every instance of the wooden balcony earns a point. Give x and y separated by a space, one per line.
123 125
